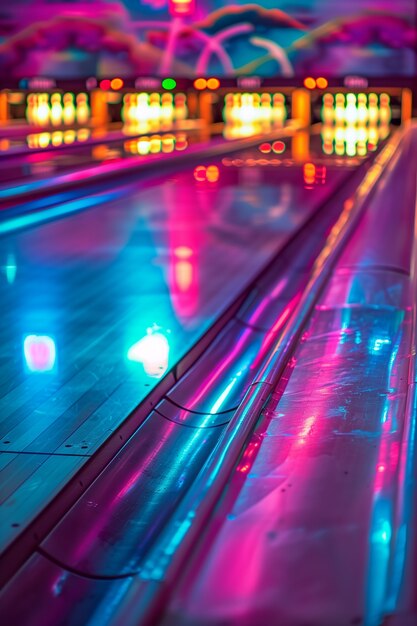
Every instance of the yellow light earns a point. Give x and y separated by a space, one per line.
44 140
57 138
212 173
83 134
183 252
168 143
155 144
69 136
143 145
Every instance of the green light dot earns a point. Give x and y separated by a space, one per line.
169 83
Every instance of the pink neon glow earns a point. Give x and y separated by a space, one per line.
39 352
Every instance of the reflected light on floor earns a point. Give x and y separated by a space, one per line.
152 351
210 174
40 353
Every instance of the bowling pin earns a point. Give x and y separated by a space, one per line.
142 112
69 109
384 109
155 109
167 110
155 144
57 138
362 109
43 110
373 113
56 109
278 109
339 111
351 114
256 107
30 109
328 113
82 110
266 108
180 107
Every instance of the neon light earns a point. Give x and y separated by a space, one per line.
116 84
180 8
309 82
309 173
278 147
10 269
200 173
265 148
220 400
39 352
152 352
322 83
200 83
213 83
183 252
169 83
212 174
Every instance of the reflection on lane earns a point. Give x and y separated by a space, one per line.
84 156
109 299
152 352
40 353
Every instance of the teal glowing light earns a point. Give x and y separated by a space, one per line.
152 351
10 269
169 83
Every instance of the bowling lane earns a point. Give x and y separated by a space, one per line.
98 307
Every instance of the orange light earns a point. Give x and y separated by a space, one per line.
183 252
309 82
200 83
116 84
309 173
322 82
212 173
213 83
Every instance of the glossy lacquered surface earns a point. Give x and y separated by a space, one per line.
315 524
99 306
80 155
108 533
